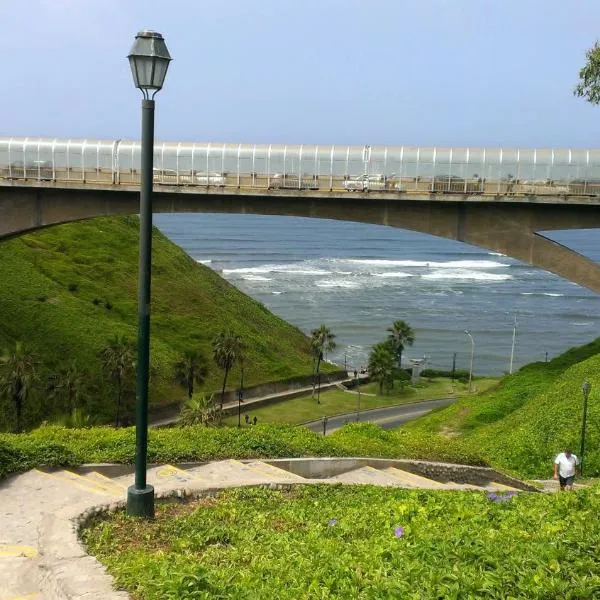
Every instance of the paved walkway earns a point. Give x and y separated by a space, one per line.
40 555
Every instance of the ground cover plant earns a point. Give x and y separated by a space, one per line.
357 542
68 290
528 418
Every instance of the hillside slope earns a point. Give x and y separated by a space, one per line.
528 418
69 289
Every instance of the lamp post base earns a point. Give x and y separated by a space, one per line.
140 502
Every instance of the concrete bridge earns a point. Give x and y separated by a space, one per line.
496 199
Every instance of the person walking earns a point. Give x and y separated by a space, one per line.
564 469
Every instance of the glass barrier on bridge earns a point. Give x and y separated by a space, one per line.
400 169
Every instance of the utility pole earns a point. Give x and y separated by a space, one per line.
512 350
453 366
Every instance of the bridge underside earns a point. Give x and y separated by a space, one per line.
506 227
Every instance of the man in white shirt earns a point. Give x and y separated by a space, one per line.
564 469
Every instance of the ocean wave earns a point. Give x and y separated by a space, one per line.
496 254
465 275
277 293
204 261
256 278
541 294
450 264
286 269
341 283
551 294
391 274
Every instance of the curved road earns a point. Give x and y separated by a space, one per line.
387 418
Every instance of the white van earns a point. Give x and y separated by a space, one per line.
365 183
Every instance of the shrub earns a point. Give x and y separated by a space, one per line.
72 287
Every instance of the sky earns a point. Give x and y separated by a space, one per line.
413 72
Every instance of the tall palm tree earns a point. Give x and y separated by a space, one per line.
69 386
322 340
401 335
192 368
381 365
118 362
228 348
17 378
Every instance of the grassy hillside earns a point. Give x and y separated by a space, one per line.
528 418
67 290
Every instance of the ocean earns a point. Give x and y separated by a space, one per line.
357 279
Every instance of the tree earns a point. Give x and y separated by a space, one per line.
118 362
589 76
199 409
382 366
192 368
322 340
401 335
228 349
69 386
17 379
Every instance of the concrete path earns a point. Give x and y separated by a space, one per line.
40 555
388 417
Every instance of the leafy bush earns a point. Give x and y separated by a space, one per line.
357 542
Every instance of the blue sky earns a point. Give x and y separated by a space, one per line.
422 72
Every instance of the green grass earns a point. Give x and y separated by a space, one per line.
529 417
51 278
318 542
333 402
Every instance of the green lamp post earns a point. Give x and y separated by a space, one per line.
149 60
586 387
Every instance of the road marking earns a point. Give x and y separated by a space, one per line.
17 550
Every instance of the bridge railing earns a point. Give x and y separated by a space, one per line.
342 169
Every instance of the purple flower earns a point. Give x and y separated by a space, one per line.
332 522
501 497
399 532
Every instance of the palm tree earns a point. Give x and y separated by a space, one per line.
321 341
401 335
199 409
118 362
17 378
228 349
381 365
191 369
70 385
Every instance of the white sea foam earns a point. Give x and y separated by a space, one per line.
392 274
277 293
552 294
465 275
256 278
341 283
496 254
204 261
450 264
287 269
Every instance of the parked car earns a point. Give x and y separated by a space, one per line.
216 179
365 183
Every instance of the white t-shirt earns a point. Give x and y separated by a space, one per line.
566 466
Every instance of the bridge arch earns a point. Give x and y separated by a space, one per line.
504 225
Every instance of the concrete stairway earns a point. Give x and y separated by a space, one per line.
30 499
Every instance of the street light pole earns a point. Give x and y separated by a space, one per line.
149 60
357 376
241 393
512 350
472 353
585 388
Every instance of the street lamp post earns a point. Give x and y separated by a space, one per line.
241 393
357 377
585 388
472 353
149 60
